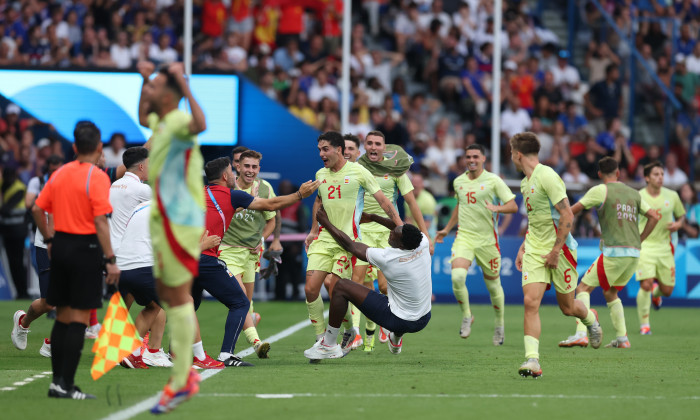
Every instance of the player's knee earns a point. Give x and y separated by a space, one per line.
311 293
531 304
646 285
583 288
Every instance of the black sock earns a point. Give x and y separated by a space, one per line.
73 348
368 332
58 338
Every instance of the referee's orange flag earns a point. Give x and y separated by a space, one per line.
117 338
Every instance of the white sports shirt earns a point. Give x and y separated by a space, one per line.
124 195
408 275
136 250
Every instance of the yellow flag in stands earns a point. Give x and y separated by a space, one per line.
116 340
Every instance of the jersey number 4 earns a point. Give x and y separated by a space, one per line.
332 189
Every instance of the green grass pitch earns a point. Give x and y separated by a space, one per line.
438 374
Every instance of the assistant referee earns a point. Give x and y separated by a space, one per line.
77 195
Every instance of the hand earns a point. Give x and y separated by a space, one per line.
177 70
519 260
112 274
208 241
440 236
365 218
322 217
308 188
145 68
674 226
257 249
551 260
655 214
276 245
432 246
310 238
491 207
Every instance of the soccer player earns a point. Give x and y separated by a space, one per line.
406 264
128 192
242 243
352 147
342 189
548 254
619 208
222 202
22 320
656 270
177 214
78 197
388 166
481 197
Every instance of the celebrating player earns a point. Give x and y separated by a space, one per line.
656 270
619 208
342 189
548 254
481 196
405 308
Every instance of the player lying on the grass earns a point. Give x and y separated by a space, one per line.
619 207
406 265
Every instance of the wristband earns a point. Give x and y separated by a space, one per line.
110 260
48 240
300 196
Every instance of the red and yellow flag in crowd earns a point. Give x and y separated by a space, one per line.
116 340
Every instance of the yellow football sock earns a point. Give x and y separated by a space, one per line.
459 287
250 311
181 320
643 306
617 315
316 315
355 315
532 347
497 298
251 335
585 298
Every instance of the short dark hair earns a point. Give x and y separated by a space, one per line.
334 138
376 133
607 165
411 236
353 138
215 168
115 135
170 81
478 147
610 68
526 143
134 155
650 167
238 149
251 154
87 137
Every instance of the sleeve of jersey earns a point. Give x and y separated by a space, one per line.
34 186
553 186
404 184
152 120
644 207
270 214
375 256
367 181
44 200
678 209
503 192
99 194
241 199
182 125
594 197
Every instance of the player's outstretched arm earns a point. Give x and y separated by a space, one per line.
418 217
357 249
440 235
146 69
653 218
388 208
280 202
577 208
198 123
387 223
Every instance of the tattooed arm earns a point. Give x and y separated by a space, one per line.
388 208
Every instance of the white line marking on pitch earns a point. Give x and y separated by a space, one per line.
459 396
146 404
25 381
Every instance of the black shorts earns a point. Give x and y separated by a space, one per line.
376 308
43 265
76 272
140 283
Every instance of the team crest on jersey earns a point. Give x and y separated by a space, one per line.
482 187
532 189
667 203
525 275
386 176
347 179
